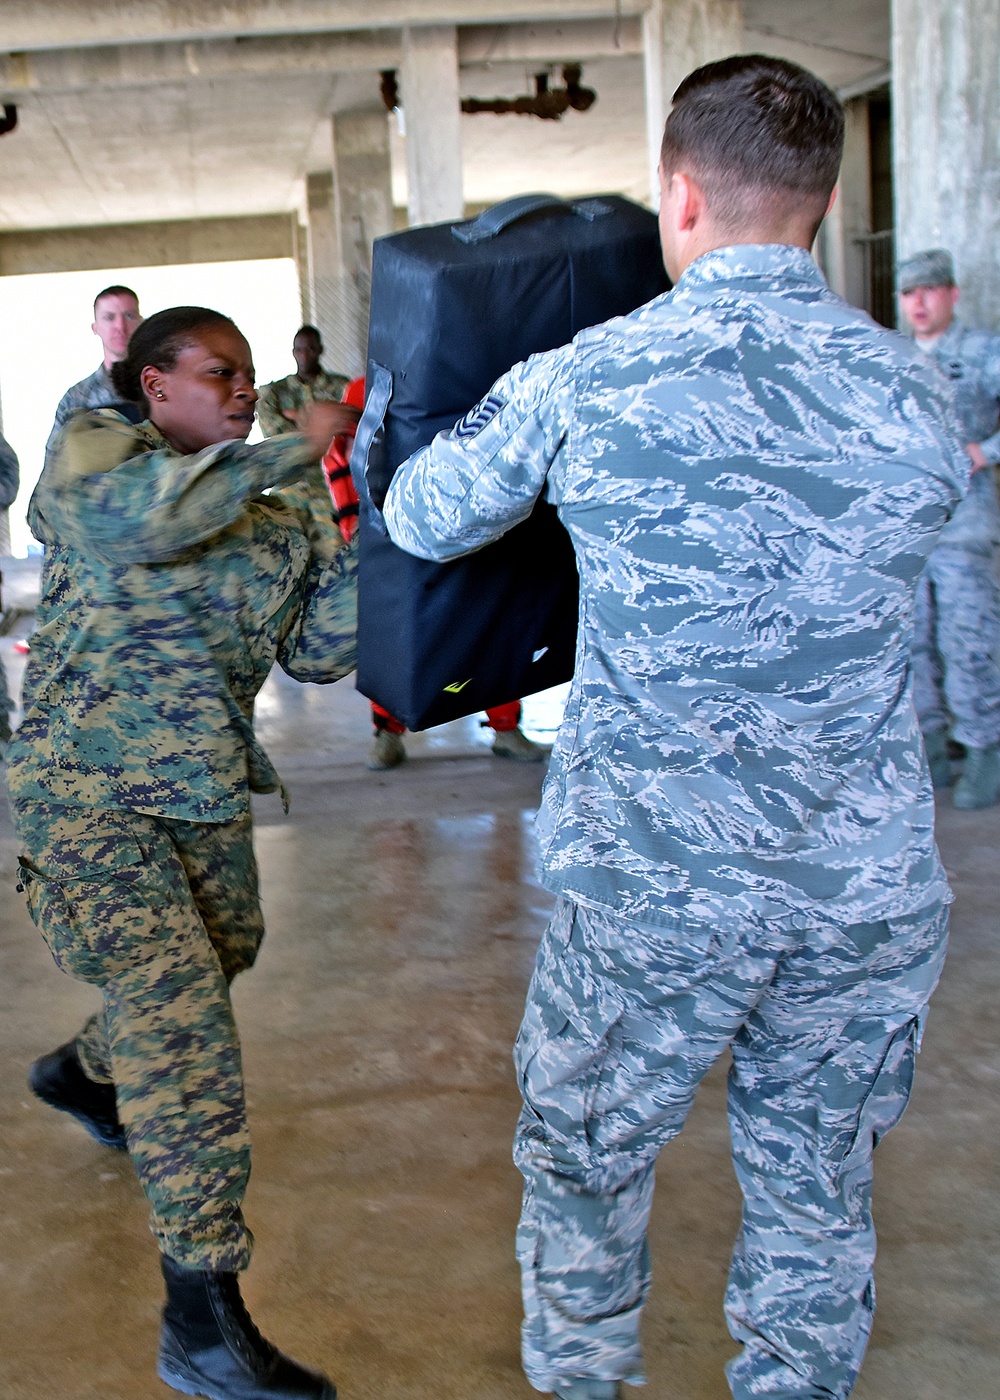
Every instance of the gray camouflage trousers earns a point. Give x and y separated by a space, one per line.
161 915
621 1025
956 646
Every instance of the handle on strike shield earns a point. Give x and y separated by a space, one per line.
369 440
493 221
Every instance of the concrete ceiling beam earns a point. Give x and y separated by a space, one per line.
141 65
160 244
28 26
549 43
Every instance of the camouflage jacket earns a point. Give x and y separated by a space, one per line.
169 589
10 474
970 361
96 391
752 474
293 393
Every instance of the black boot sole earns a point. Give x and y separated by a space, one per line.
190 1383
187 1385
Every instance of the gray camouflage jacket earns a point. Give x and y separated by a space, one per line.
970 361
96 391
10 474
753 475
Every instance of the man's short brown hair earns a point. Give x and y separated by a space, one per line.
752 129
115 291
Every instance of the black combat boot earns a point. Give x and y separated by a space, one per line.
58 1079
209 1346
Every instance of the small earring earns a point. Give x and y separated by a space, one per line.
159 393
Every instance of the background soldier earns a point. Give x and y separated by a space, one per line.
10 484
738 822
116 315
957 638
281 404
10 481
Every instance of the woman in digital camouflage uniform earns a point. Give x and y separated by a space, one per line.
171 586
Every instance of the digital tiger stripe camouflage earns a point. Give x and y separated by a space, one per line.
738 818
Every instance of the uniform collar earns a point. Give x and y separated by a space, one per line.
152 437
775 263
950 340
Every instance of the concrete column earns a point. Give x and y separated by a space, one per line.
300 252
347 207
841 255
334 321
678 36
363 205
946 158
432 114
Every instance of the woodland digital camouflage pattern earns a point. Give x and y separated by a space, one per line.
161 915
185 595
957 645
168 592
311 494
738 814
294 394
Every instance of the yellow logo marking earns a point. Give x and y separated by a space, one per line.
456 687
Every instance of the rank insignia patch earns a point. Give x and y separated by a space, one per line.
477 418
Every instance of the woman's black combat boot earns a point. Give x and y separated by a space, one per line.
59 1080
210 1347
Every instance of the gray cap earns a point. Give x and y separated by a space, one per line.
931 268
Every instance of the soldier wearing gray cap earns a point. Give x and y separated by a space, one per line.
931 268
957 635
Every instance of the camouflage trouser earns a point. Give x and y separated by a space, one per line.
956 647
621 1025
161 915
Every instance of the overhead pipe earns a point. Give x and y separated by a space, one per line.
547 103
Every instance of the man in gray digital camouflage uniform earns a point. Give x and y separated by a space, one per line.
116 315
955 657
737 823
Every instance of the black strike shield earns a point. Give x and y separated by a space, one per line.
453 307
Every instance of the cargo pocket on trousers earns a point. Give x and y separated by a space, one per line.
567 1051
97 920
883 1102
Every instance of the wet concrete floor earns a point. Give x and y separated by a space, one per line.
403 915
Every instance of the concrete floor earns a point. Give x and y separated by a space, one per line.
403 915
